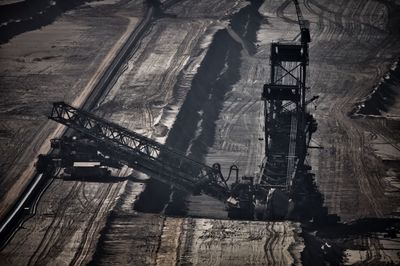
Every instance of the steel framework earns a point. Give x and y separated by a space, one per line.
285 113
144 154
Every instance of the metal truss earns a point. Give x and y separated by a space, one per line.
144 154
285 109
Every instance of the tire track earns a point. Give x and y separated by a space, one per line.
50 233
83 250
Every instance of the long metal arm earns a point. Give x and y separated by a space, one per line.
144 154
305 32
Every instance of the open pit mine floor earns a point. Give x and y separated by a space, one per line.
192 79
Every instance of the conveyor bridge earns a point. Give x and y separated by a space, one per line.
144 154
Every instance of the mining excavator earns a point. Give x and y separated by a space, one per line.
288 130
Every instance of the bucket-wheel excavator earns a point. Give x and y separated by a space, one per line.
288 129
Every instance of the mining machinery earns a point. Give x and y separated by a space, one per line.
288 129
288 126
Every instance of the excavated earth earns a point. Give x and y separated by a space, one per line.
194 82
61 61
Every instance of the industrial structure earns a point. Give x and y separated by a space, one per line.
288 129
200 85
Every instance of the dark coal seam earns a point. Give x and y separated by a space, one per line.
381 98
28 12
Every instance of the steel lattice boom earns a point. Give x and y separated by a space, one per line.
144 154
304 31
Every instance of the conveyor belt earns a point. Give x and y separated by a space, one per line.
144 154
292 158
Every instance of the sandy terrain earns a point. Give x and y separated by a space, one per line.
146 97
61 61
354 45
194 82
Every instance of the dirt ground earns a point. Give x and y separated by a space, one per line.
354 46
195 82
61 61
